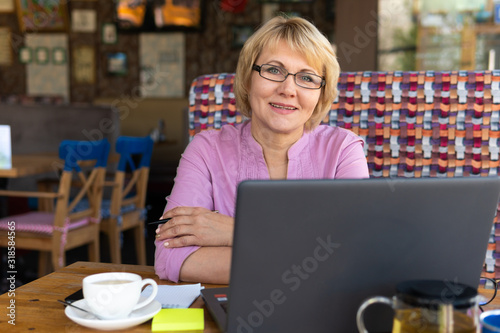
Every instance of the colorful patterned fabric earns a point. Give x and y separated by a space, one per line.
415 124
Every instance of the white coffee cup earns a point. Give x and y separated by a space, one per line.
115 295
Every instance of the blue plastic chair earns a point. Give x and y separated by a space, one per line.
54 231
126 208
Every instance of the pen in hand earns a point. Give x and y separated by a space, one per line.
160 221
166 220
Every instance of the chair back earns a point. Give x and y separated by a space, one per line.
72 152
84 162
212 103
127 146
135 158
414 124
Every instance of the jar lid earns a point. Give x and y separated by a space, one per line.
432 293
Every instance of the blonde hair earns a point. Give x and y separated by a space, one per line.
301 36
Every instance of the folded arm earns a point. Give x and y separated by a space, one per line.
207 265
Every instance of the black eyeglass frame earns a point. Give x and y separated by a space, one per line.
258 68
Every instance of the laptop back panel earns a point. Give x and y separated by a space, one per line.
308 252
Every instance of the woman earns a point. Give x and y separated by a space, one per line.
285 83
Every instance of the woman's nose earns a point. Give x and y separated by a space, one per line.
288 86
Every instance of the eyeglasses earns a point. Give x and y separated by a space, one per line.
279 74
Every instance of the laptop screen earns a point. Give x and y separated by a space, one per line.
308 252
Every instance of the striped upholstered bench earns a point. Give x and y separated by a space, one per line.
415 124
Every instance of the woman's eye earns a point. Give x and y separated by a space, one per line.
306 78
273 70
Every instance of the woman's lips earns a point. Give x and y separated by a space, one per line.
283 108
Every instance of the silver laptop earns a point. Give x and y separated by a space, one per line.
308 252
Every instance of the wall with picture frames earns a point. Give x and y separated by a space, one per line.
142 65
86 50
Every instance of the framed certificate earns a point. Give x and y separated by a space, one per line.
83 20
84 64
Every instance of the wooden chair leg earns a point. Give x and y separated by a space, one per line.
140 243
44 263
56 263
114 243
93 248
58 253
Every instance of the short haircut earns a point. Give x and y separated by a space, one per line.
301 36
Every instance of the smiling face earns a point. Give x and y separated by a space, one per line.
281 108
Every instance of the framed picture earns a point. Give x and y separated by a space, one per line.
84 64
240 34
165 15
38 16
83 20
116 63
42 55
109 34
58 56
25 55
5 48
7 6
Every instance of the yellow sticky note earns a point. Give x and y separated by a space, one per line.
178 320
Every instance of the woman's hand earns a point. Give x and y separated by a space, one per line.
195 226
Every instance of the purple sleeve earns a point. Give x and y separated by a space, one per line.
352 161
168 262
192 188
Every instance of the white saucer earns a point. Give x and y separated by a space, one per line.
135 318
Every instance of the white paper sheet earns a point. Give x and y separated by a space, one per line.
181 296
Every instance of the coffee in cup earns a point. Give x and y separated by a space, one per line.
115 295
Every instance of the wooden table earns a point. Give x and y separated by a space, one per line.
37 309
32 164
27 165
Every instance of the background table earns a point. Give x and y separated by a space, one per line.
31 164
38 310
25 165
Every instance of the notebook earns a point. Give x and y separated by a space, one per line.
307 253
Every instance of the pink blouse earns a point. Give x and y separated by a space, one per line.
215 162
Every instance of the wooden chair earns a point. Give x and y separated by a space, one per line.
54 232
126 208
